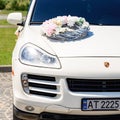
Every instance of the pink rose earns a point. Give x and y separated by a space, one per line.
49 27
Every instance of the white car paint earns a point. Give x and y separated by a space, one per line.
78 59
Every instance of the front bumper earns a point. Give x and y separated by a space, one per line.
52 116
24 115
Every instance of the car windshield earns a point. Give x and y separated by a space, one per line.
97 12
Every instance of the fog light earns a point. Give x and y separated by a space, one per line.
29 108
25 83
24 77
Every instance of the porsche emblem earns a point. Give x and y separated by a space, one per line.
106 64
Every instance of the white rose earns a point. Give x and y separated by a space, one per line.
85 25
72 20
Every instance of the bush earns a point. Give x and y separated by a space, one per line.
23 5
12 5
2 4
15 4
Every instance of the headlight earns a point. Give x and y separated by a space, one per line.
35 56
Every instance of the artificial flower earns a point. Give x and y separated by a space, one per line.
63 24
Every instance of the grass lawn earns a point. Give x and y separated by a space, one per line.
5 11
7 43
10 11
4 22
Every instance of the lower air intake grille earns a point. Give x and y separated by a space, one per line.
93 85
42 85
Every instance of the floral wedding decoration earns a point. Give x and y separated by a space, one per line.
65 28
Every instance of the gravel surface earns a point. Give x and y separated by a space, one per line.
6 99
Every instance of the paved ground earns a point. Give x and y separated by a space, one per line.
3 17
7 26
5 96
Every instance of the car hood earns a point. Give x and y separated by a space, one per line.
101 41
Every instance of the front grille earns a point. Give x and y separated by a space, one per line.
93 85
43 85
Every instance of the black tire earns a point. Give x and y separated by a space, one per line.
15 118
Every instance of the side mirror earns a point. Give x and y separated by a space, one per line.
15 18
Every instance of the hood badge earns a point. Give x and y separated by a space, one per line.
107 64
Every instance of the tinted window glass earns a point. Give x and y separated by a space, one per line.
105 12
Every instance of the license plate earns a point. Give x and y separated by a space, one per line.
96 104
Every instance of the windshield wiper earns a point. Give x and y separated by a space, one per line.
36 23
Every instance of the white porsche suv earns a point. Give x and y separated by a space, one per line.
58 76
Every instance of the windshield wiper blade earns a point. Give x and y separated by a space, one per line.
35 23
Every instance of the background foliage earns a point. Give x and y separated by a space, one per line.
7 36
14 4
